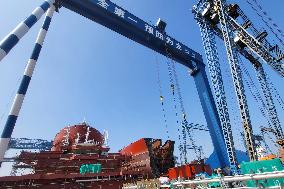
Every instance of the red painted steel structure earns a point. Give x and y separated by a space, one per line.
81 144
150 156
188 171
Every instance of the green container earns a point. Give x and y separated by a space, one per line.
90 168
262 167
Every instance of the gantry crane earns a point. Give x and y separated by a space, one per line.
121 21
216 17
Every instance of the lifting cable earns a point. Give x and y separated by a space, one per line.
185 131
255 93
276 93
172 85
265 143
184 122
193 146
161 96
182 148
259 10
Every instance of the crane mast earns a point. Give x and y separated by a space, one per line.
223 20
228 36
254 48
211 52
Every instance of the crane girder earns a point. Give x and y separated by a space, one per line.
121 21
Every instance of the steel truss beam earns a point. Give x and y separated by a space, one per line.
211 52
237 77
256 46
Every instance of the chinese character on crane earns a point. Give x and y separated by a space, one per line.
169 41
159 35
149 29
103 4
119 12
178 46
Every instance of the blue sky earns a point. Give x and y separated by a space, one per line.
87 71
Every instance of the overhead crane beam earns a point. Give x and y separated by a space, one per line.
121 21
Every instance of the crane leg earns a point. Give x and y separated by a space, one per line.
214 67
237 78
211 115
14 37
19 98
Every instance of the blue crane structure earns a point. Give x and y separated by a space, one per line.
27 143
218 18
121 21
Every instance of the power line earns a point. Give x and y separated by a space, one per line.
255 93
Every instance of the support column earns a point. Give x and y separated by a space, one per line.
14 37
214 67
19 98
211 115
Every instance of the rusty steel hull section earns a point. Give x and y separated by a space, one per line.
150 156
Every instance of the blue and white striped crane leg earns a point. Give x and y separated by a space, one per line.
14 37
19 98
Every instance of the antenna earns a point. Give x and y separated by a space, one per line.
84 121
